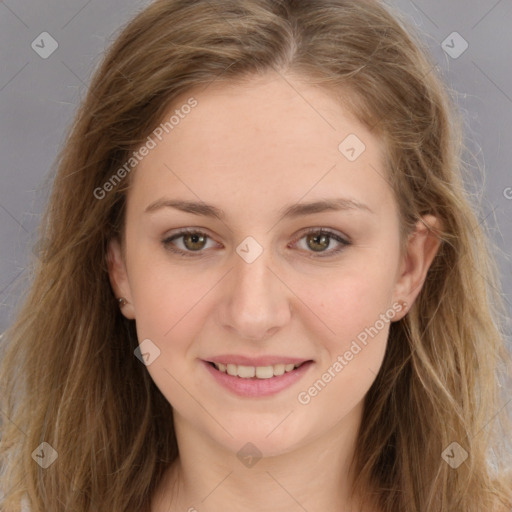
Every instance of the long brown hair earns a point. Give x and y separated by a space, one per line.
69 375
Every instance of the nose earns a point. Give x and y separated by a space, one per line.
255 302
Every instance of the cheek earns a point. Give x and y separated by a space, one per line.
352 299
165 299
359 312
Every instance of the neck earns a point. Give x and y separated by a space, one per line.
315 476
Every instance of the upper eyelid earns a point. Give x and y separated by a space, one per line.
303 232
345 240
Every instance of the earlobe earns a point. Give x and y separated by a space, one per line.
119 278
422 247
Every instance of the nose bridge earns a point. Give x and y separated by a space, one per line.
257 301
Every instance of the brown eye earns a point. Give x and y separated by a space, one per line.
188 243
194 241
318 242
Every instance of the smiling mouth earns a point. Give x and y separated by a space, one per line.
256 372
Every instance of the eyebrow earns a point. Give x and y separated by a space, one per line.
291 211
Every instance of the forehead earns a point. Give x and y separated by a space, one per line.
269 139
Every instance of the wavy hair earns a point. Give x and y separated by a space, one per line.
69 352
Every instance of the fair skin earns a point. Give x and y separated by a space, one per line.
252 150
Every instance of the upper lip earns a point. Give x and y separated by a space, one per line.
255 361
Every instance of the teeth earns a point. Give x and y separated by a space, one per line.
264 372
260 372
279 369
246 372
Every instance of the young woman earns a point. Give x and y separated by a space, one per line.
262 286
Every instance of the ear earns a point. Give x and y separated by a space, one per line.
422 246
119 277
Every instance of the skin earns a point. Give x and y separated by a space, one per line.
253 149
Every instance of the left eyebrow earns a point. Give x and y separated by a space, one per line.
336 204
291 211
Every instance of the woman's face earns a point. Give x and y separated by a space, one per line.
270 275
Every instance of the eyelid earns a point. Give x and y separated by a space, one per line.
180 233
338 237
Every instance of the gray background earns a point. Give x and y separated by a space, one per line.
38 99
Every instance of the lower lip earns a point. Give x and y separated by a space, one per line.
257 387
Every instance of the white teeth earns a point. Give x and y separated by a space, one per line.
278 369
260 372
264 372
246 372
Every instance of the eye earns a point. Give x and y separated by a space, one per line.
193 242
319 240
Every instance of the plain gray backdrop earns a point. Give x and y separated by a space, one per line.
39 94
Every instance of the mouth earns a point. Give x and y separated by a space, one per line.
256 377
256 372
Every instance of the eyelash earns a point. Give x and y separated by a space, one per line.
167 242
